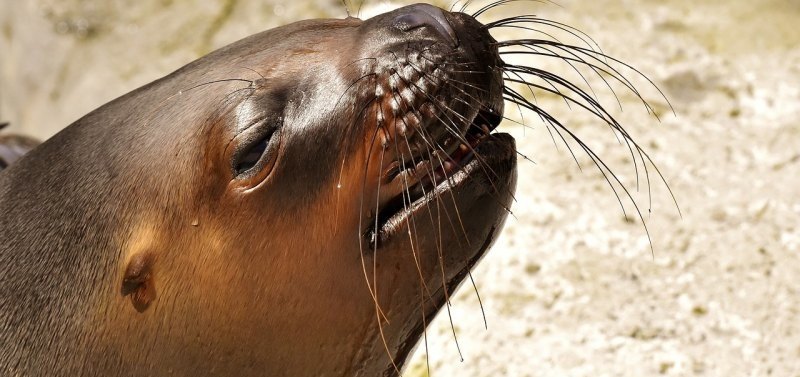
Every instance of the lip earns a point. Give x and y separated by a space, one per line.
495 152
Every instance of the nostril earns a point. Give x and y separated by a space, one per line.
422 15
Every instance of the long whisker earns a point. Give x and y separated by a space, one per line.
595 55
407 205
480 302
505 2
375 265
372 292
604 169
533 19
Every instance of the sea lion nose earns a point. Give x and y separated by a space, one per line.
421 15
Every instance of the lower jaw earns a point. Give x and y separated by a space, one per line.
438 299
494 149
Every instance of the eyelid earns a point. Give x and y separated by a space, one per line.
260 146
249 110
263 131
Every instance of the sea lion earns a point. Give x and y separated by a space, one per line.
295 203
12 147
299 203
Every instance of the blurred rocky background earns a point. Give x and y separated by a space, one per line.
572 287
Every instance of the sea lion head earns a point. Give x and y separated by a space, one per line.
300 202
348 184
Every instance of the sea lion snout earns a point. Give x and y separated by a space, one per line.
433 94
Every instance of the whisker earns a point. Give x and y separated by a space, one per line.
361 225
597 109
533 19
604 169
375 266
480 302
407 204
501 3
594 55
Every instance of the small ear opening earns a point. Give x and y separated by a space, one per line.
138 281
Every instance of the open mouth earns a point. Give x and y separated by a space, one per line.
426 177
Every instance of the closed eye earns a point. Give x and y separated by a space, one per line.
257 134
251 157
255 148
